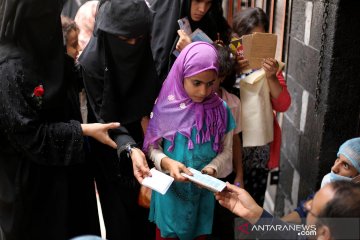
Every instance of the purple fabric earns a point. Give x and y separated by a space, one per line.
174 111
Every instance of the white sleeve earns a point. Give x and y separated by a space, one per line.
222 163
156 155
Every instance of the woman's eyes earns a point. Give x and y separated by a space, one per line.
346 166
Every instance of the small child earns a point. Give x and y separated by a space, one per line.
190 126
262 91
70 34
223 227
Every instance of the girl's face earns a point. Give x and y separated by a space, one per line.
199 8
259 29
72 44
199 86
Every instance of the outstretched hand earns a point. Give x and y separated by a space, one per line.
140 166
239 202
99 131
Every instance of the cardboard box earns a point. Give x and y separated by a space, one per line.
258 46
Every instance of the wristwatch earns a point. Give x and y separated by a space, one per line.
128 148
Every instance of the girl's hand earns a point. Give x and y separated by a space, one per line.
99 131
175 169
271 66
239 181
184 40
209 171
242 64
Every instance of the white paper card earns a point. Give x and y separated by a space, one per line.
206 181
159 181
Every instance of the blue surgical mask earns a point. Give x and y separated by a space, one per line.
332 177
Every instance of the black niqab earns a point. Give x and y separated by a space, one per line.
123 83
22 23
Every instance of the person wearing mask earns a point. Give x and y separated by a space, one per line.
121 84
346 167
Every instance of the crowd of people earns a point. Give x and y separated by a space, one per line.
91 104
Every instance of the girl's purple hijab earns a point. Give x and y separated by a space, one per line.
175 112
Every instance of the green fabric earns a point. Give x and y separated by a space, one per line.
186 211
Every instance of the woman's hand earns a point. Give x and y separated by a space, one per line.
99 131
140 166
184 40
175 169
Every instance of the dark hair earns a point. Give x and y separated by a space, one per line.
246 20
68 25
212 23
226 61
345 204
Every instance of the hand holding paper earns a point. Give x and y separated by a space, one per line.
159 181
206 181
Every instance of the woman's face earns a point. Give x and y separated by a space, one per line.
199 86
199 8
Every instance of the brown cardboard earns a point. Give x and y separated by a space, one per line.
258 46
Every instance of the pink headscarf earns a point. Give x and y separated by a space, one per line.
175 112
85 19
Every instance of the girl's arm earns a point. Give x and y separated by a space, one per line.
280 97
216 166
283 101
237 161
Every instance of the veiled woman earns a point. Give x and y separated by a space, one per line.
121 84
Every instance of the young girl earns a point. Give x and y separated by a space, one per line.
223 226
259 156
70 34
190 126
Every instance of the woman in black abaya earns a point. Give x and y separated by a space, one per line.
164 36
121 83
46 186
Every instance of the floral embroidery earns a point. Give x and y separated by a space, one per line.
182 105
38 94
171 97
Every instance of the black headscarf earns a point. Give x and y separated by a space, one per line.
122 83
212 23
164 30
32 29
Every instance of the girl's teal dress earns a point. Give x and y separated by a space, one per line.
186 211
